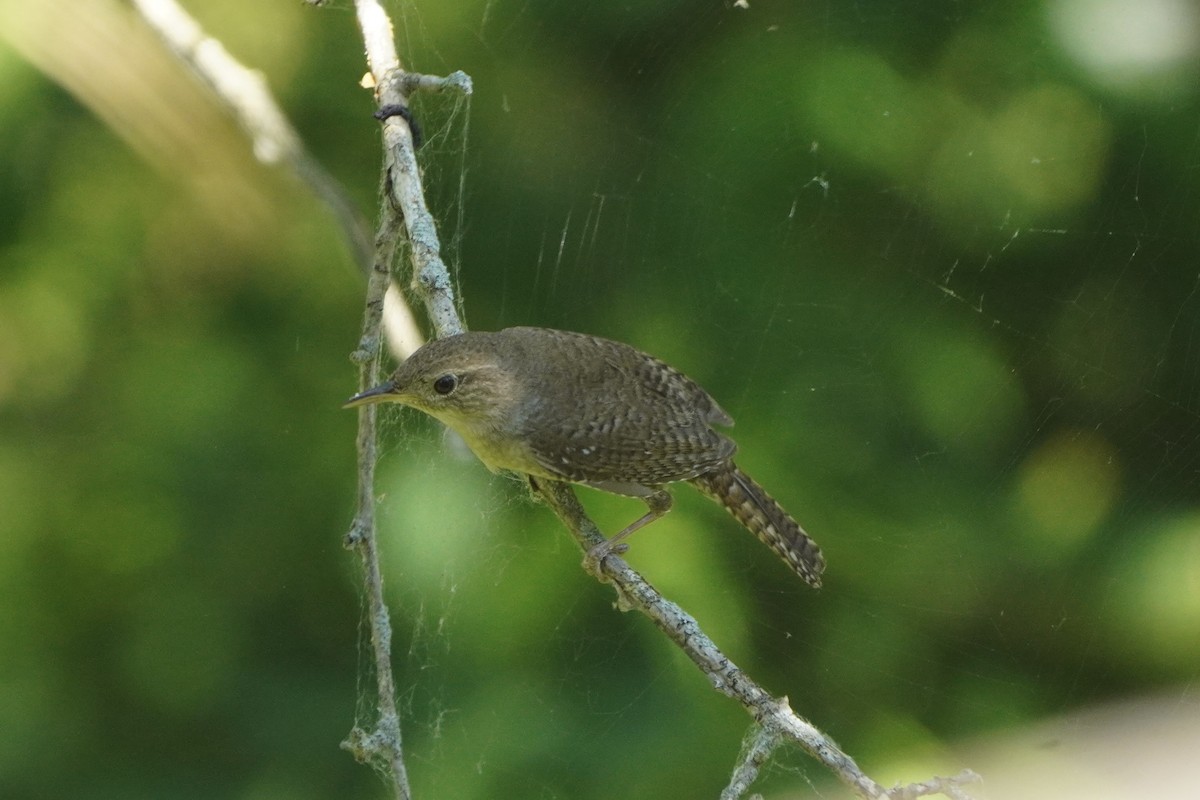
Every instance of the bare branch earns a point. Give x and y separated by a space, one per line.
384 743
431 279
245 93
403 212
760 744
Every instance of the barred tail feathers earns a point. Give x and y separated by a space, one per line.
759 513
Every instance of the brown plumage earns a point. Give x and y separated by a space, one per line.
578 408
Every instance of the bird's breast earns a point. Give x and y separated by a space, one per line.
497 447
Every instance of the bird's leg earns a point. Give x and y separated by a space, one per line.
658 502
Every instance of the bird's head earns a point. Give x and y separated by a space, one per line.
460 380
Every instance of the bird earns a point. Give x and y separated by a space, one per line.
586 410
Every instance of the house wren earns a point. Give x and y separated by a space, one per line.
571 407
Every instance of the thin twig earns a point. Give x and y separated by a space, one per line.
384 743
403 212
756 752
245 93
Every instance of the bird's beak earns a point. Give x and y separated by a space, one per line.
376 394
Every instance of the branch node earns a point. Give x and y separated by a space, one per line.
461 82
355 536
368 347
366 747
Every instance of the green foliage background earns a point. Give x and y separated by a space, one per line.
942 275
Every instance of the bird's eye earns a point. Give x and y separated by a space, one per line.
446 383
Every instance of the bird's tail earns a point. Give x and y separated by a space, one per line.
750 505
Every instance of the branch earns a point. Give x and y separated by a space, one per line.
384 744
755 753
403 213
245 94
402 181
774 715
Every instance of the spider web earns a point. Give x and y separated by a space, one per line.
939 264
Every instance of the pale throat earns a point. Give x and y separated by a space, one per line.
495 449
489 431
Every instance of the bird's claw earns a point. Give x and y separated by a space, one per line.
596 555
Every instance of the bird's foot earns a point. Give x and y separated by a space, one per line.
593 558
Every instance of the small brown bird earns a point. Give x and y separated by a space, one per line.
578 408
